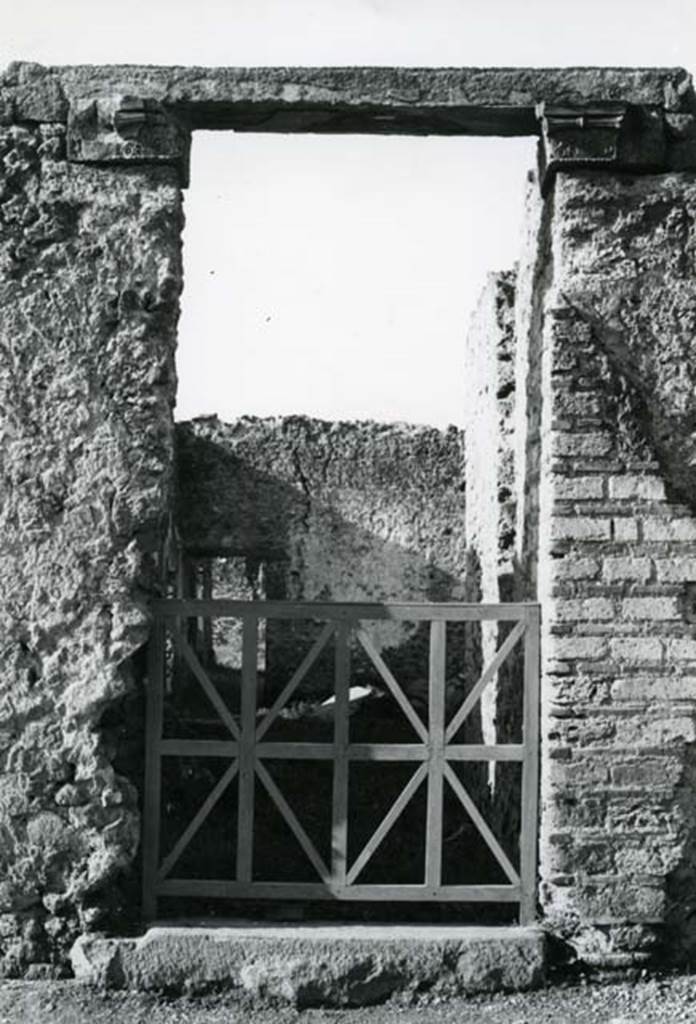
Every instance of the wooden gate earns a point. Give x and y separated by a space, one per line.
247 748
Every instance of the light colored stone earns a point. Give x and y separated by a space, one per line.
637 569
667 529
580 528
316 965
578 488
652 608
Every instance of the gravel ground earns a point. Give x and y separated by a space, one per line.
660 1000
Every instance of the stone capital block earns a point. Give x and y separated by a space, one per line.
124 128
596 136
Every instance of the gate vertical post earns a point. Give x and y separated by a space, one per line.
530 768
153 768
247 743
339 814
436 731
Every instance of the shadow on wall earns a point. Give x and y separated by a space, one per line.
305 531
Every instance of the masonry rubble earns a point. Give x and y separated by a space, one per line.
593 434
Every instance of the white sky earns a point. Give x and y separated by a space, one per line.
335 275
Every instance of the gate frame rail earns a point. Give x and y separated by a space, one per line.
246 749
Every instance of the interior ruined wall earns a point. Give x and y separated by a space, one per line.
90 276
488 422
617 564
329 511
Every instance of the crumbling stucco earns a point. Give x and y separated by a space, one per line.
89 283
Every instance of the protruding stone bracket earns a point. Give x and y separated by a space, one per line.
127 129
616 136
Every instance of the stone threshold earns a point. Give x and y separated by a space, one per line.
315 964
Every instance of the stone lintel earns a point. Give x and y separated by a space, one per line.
447 101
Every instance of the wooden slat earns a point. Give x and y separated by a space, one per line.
339 804
220 888
245 807
296 679
297 830
530 770
482 752
154 715
387 752
417 611
198 748
197 820
396 691
356 751
387 823
475 815
207 593
189 656
436 729
488 674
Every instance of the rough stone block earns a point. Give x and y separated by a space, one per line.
580 528
638 731
651 608
683 649
675 570
645 488
635 569
316 965
588 609
573 568
625 529
582 648
590 445
578 488
637 650
665 529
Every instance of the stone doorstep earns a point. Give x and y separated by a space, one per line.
315 964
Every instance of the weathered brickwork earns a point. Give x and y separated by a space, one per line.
616 554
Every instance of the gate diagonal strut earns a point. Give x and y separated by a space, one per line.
197 820
486 677
287 691
189 656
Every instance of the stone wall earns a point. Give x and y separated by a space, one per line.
89 282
